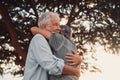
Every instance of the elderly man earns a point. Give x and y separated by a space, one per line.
40 60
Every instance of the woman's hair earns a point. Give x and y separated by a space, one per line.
46 17
66 31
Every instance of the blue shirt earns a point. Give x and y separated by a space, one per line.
40 61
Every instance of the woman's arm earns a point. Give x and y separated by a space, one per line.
45 33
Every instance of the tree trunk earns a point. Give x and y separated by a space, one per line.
12 32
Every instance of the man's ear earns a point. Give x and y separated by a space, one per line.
46 27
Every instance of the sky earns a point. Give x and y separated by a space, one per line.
109 65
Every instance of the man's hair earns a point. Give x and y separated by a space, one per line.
46 17
66 31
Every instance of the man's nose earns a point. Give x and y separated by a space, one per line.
58 29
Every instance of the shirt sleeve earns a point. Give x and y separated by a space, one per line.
44 56
56 41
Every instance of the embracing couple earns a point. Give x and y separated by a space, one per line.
52 54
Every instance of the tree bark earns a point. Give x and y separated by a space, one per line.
12 32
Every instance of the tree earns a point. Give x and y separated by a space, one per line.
92 21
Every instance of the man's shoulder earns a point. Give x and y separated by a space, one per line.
38 36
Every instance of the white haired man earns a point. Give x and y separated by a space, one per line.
40 61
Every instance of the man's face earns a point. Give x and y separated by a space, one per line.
54 25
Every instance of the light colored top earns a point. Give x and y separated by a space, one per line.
62 46
40 61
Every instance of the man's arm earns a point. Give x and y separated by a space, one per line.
69 70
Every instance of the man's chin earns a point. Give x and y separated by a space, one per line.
57 31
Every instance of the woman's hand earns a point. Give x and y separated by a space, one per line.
74 58
34 30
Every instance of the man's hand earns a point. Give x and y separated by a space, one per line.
74 59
